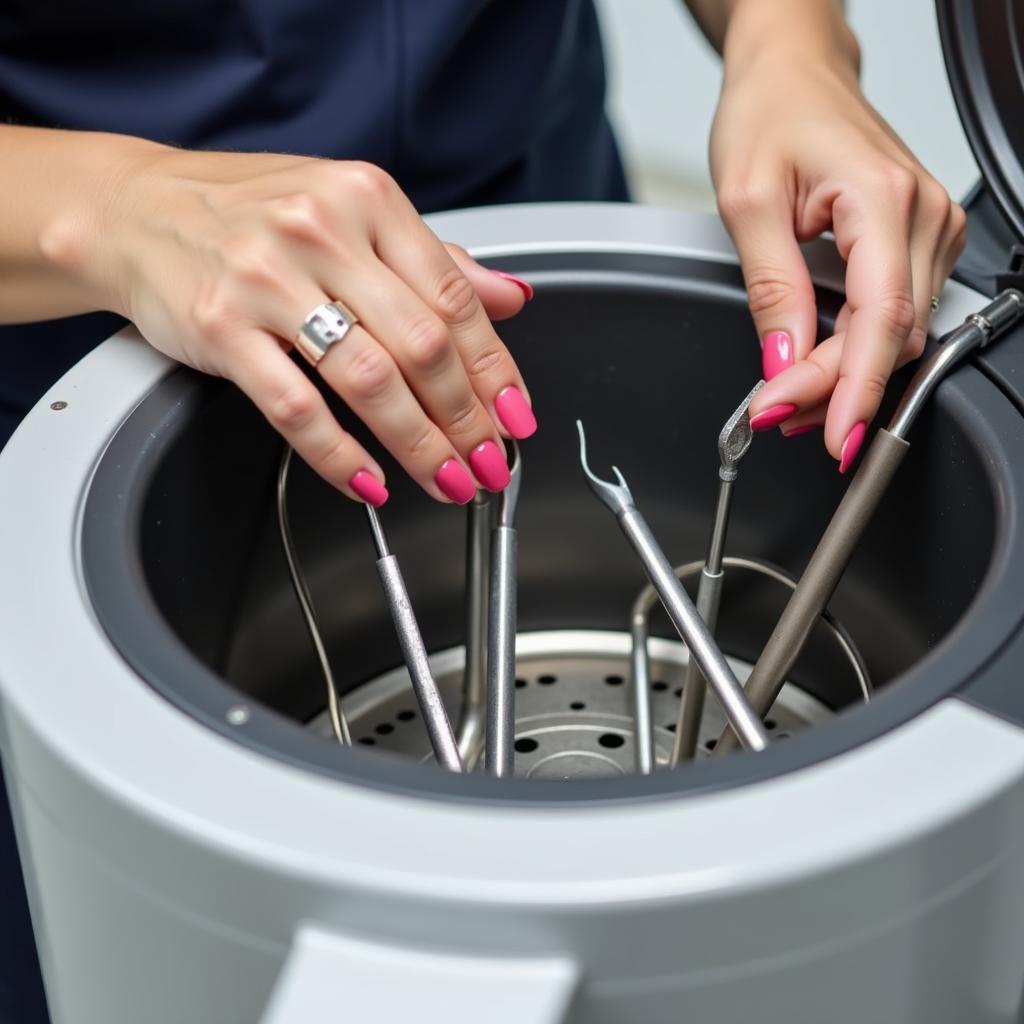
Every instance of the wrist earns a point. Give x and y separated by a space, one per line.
79 237
800 32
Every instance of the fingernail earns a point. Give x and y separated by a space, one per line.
369 488
772 417
854 439
526 287
515 413
776 354
455 482
805 429
489 466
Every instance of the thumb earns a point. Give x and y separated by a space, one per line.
502 295
779 289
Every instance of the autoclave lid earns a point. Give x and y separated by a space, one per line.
983 43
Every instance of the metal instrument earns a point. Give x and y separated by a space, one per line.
618 498
474 677
862 497
339 723
499 748
733 443
639 657
439 728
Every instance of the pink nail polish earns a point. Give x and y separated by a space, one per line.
455 482
489 466
854 439
515 414
369 488
805 429
776 354
772 417
526 287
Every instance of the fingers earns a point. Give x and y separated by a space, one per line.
258 241
779 290
369 380
407 246
297 410
951 247
932 213
789 398
422 351
898 258
842 319
805 391
875 240
368 247
423 369
502 294
810 383
805 422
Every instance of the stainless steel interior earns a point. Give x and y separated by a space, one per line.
574 715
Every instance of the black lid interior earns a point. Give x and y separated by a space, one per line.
983 44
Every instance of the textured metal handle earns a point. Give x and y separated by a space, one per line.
439 728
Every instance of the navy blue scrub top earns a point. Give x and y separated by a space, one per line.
465 102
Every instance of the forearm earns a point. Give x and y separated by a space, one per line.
742 29
55 189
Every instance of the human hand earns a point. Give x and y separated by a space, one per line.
797 150
219 257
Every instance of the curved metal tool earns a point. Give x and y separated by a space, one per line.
680 609
862 497
733 443
439 728
339 723
499 748
474 678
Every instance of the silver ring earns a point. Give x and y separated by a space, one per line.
325 326
935 303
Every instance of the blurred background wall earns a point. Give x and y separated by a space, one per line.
664 81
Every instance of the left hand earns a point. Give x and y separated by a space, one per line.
797 150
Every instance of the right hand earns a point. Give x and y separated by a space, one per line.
797 150
218 258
